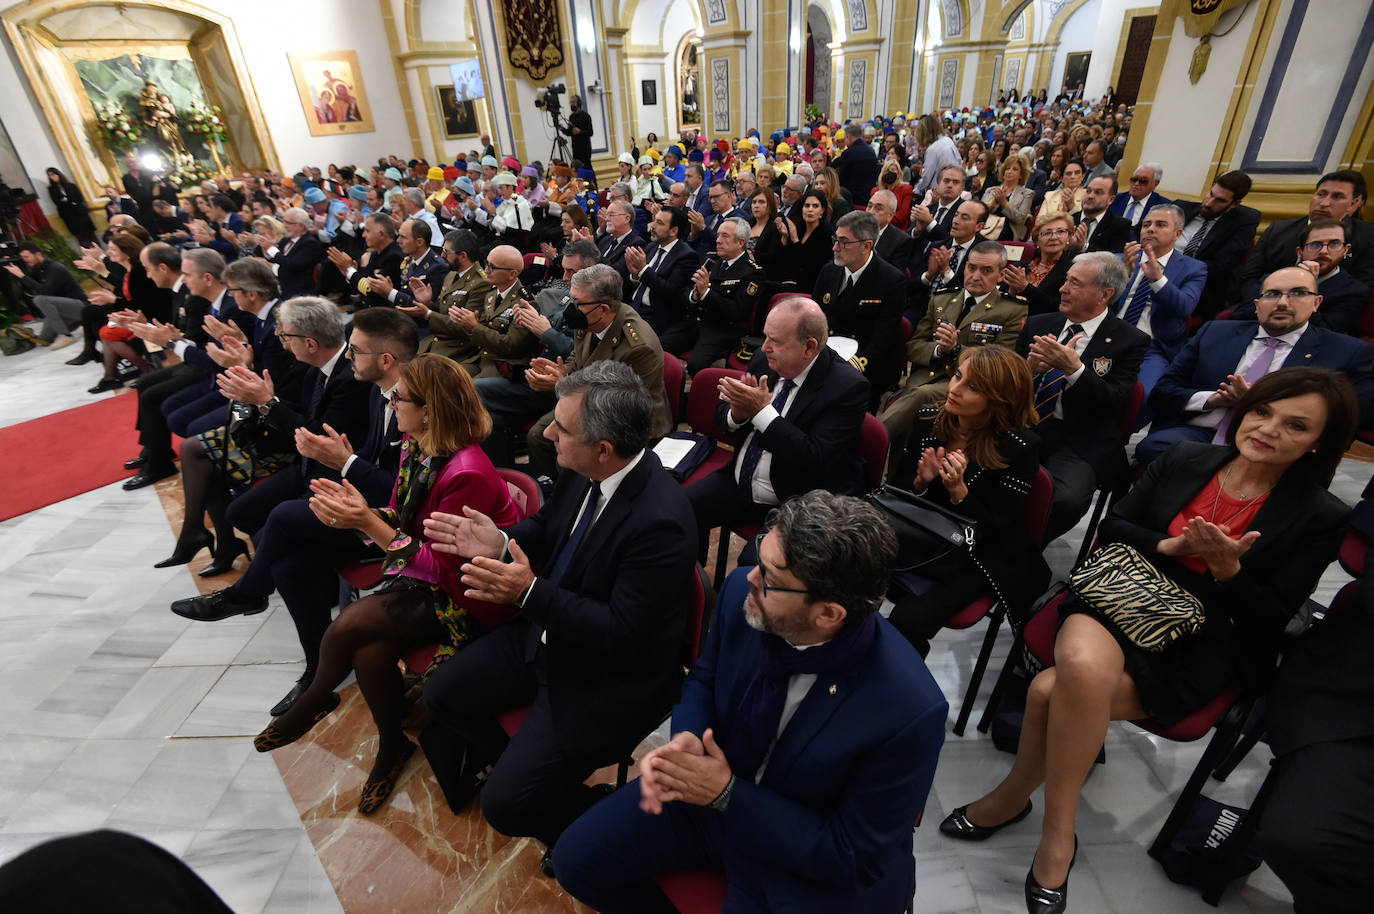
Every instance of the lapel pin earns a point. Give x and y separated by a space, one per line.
834 688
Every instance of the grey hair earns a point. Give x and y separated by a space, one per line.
695 168
1111 272
616 408
1157 168
620 190
205 260
252 274
741 227
884 196
797 182
853 131
991 247
811 323
415 197
317 318
585 251
297 215
624 206
839 547
863 225
601 280
1179 220
383 222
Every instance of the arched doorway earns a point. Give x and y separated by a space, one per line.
819 36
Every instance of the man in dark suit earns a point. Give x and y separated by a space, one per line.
931 220
1098 228
789 198
796 418
382 258
694 181
743 787
862 296
296 553
941 267
298 255
1192 400
1085 362
660 272
138 185
1339 195
857 165
1322 249
620 235
1219 231
893 245
1133 204
703 226
600 576
169 222
422 261
720 302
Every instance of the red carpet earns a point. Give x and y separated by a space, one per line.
44 461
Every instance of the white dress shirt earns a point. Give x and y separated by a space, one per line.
761 487
1197 403
1089 330
1143 324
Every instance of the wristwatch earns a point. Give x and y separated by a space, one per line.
722 800
266 408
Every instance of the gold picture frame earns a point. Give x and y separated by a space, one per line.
333 97
459 117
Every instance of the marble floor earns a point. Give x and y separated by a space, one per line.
116 713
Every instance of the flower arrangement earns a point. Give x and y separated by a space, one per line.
115 127
184 170
206 121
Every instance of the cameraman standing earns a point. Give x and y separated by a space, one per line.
55 292
580 127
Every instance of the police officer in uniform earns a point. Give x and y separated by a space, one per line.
721 301
976 315
421 262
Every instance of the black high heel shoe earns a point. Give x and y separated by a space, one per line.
224 565
183 554
1040 900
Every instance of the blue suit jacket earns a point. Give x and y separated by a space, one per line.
1171 306
829 826
1217 348
1123 200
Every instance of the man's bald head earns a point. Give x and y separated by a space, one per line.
506 257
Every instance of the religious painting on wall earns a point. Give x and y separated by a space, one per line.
534 41
460 115
1076 69
333 98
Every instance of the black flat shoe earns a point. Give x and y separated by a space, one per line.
106 384
546 863
292 696
146 477
225 564
274 737
957 825
135 463
221 604
1040 900
83 358
183 554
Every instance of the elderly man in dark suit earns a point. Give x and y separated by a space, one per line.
382 258
1133 204
1085 361
796 417
1219 231
620 236
299 253
720 302
660 272
745 787
1216 368
892 244
601 578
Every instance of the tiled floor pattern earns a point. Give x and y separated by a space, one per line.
116 713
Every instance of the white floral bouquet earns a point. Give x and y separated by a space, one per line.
115 127
206 121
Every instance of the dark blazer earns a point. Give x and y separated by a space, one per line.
385 263
858 169
341 402
431 268
938 230
194 330
1093 405
1043 297
1122 201
1301 525
288 375
1172 305
616 623
664 285
374 472
1217 349
870 312
296 264
816 445
896 247
1111 234
1344 302
1278 247
613 252
828 828
1222 250
734 293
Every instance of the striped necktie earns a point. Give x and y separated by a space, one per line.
1139 299
1052 382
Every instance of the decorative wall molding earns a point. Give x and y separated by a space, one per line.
949 82
720 94
858 76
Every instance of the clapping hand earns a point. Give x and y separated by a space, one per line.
101 297
380 285
221 330
342 261
1048 352
157 333
1213 543
229 352
938 262
495 581
529 317
239 383
701 281
928 468
470 534
746 396
330 449
1015 278
1151 267
421 291
946 337
463 317
339 505
543 374
1230 391
635 260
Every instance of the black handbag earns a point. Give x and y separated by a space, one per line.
926 532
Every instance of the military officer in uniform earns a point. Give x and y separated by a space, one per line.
723 297
465 283
976 315
605 328
382 259
421 262
485 330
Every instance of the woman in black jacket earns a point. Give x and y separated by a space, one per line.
134 292
1247 528
71 206
976 455
1040 279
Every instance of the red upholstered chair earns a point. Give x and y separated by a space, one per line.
1106 494
535 269
674 382
1027 251
695 891
701 416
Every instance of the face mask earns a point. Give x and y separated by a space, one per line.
574 318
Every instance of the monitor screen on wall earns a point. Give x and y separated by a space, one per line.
467 80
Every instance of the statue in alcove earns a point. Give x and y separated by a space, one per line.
160 114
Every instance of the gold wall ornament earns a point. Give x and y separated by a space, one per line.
536 43
1200 58
1199 19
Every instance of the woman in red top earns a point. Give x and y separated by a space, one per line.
1247 528
443 468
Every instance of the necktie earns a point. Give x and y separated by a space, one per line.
969 304
848 284
563 562
752 454
1130 212
1261 367
955 255
939 215
1196 241
1091 224
1052 382
1139 299
642 293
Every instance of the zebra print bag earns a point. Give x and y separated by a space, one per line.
1151 610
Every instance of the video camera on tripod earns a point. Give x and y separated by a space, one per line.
547 99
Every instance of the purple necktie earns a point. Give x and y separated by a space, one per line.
1259 369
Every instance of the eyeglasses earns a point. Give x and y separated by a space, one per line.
290 336
1135 180
354 350
763 569
397 398
845 242
1273 295
584 304
1332 245
1054 233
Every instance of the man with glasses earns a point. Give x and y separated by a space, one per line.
1339 195
1192 400
620 236
294 261
464 282
704 226
1133 204
488 336
862 297
1322 248
720 301
803 747
297 554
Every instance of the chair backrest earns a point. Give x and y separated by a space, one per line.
1027 251
1132 412
702 400
524 490
873 449
674 381
906 331
699 607
1366 329
1038 505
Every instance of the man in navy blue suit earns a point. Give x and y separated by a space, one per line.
1192 400
1165 286
1133 204
660 272
694 180
804 744
1322 248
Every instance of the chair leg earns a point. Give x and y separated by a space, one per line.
722 555
1099 508
1000 686
1221 743
1251 734
979 668
622 772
